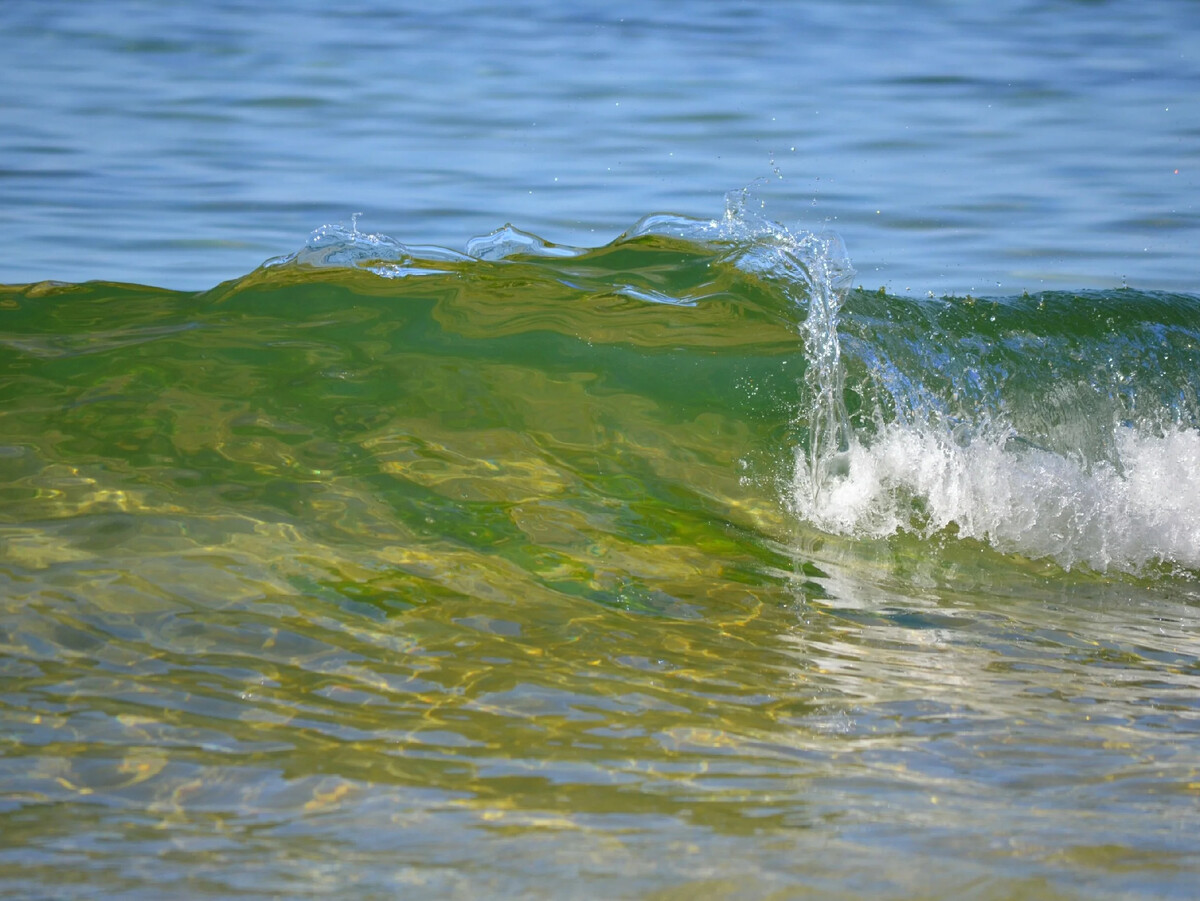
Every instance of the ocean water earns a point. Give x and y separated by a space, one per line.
651 451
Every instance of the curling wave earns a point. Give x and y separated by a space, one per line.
1059 425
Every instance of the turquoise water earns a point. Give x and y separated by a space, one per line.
834 538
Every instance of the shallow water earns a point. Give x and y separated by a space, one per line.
659 561
380 572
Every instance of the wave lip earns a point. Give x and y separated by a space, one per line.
335 246
814 263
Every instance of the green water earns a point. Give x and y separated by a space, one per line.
488 581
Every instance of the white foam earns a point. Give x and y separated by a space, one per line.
1018 498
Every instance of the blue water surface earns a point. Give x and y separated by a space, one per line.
956 147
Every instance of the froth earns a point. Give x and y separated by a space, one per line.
1018 498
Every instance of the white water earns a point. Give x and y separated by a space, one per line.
1017 498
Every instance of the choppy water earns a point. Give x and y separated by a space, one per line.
611 553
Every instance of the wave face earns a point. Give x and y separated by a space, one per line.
1059 425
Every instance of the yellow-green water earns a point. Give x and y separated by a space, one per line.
491 579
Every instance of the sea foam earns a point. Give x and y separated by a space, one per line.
1018 498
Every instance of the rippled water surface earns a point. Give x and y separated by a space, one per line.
999 147
617 553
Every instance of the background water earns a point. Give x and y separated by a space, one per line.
413 563
960 147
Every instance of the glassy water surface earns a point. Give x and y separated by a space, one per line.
612 554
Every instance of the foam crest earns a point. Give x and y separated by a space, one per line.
1017 497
